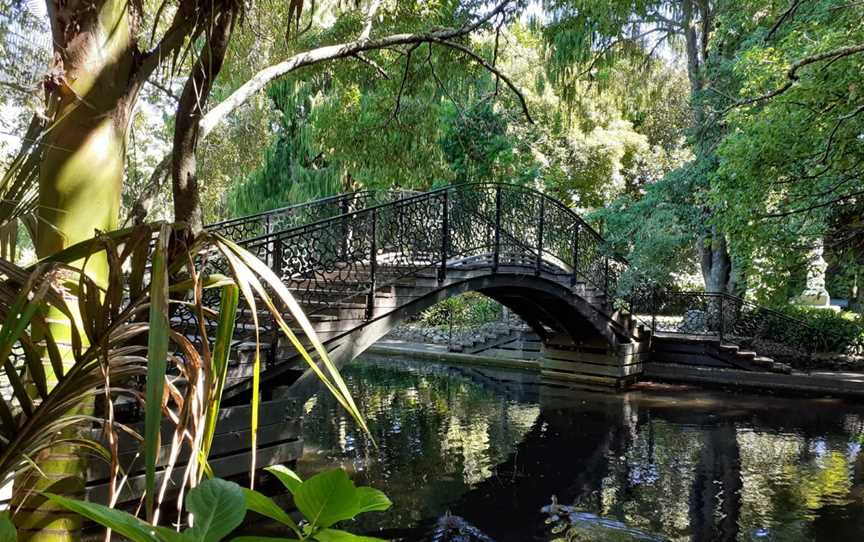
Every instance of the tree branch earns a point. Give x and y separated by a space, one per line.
167 91
814 207
792 75
482 61
790 11
405 73
144 201
858 110
369 62
331 52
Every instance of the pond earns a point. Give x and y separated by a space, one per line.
661 463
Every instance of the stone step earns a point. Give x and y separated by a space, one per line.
762 361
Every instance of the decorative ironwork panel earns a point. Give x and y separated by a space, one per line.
408 236
471 220
329 260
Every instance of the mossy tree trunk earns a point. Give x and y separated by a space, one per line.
89 96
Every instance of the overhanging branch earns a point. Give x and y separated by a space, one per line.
792 75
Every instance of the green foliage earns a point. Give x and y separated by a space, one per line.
657 231
475 142
834 331
790 167
467 310
294 170
218 507
7 528
324 500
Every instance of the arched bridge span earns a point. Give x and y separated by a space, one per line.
359 263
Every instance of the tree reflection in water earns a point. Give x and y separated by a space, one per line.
681 463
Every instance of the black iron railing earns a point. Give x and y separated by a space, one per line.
737 321
292 216
353 245
360 251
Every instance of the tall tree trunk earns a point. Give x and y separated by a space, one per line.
184 168
89 97
716 262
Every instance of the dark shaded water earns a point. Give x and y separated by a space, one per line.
663 463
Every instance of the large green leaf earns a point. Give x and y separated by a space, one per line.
157 352
7 528
218 507
327 498
336 535
287 476
125 524
265 506
372 500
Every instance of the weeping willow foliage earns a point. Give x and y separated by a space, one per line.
294 170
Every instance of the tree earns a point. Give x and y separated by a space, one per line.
790 168
294 170
474 142
75 149
587 37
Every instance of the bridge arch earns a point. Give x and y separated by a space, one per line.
348 263
549 307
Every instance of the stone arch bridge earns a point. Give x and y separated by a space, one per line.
360 263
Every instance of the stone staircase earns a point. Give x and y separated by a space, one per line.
708 351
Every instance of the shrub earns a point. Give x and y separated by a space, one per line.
466 310
219 507
836 331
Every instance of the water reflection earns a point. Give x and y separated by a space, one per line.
667 462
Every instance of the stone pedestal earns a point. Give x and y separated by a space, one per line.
815 295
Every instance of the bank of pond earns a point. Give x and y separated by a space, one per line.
478 454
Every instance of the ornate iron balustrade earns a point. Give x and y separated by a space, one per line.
356 253
363 244
292 216
734 320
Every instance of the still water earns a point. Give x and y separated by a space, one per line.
659 463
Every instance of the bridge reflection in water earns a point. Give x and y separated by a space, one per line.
682 464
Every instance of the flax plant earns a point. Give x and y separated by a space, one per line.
126 345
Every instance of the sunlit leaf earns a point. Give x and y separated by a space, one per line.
337 535
372 500
218 507
157 352
327 498
265 506
123 523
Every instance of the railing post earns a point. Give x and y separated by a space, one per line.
445 235
344 211
373 265
653 310
575 278
540 235
606 274
268 231
720 331
496 254
276 256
